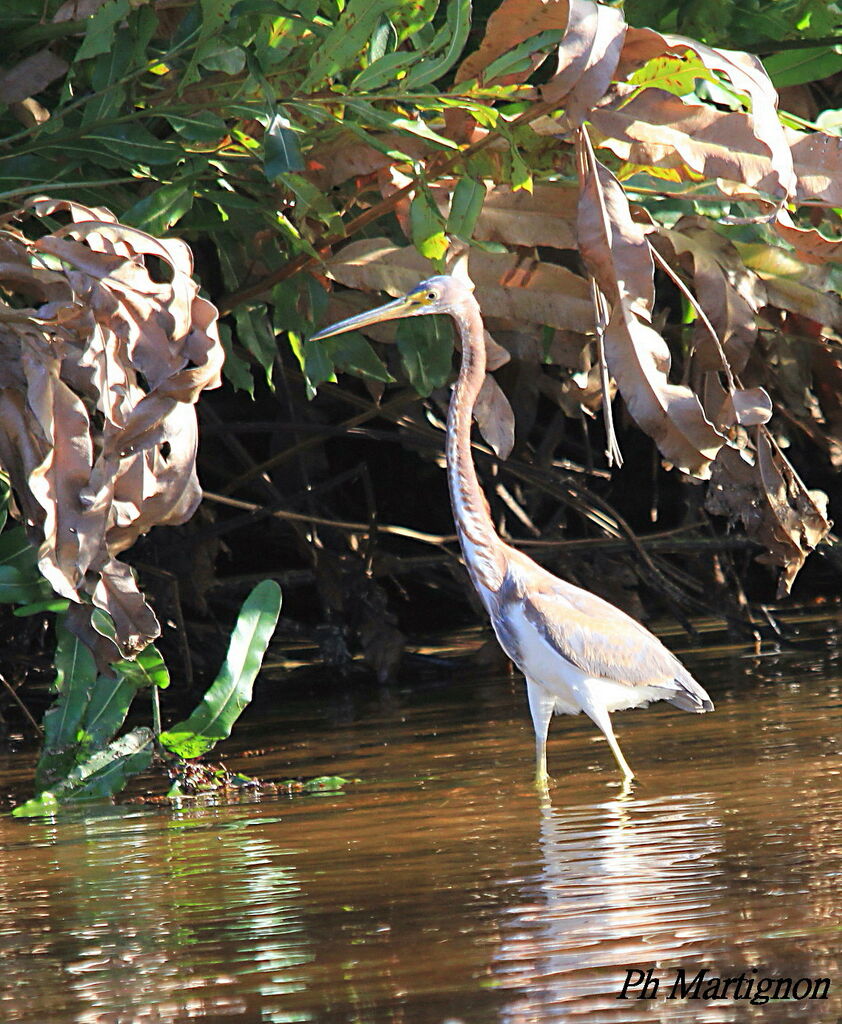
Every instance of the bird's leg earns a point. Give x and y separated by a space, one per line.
628 774
541 705
601 718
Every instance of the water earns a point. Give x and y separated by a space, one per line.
440 887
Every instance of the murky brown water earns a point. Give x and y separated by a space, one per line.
440 888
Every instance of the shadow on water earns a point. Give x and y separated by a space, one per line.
441 887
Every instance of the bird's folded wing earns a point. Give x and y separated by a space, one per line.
599 639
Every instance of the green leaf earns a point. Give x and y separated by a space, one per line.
796 67
101 775
351 353
198 126
326 784
383 40
427 226
410 19
147 669
161 209
99 34
677 75
345 40
231 691
134 144
426 347
521 175
520 59
5 494
447 45
44 804
20 586
16 550
75 678
236 369
106 711
387 120
465 208
211 16
108 69
280 148
311 200
230 60
314 361
56 604
383 70
255 334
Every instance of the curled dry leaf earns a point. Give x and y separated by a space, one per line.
818 167
98 380
587 59
775 507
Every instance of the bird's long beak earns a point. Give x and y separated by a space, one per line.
391 311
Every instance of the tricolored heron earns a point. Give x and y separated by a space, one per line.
577 651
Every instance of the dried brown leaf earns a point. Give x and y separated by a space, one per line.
506 286
773 504
730 295
616 252
113 341
818 165
657 129
347 156
752 406
29 76
746 74
494 417
545 216
587 59
117 593
793 285
671 414
77 10
613 245
810 244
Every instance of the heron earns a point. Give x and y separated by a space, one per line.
577 651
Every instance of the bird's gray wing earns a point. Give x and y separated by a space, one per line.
604 642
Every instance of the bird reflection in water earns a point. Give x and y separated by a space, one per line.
625 884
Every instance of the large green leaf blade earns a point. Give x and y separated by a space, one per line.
101 775
75 680
231 692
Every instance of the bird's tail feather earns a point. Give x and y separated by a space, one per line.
689 696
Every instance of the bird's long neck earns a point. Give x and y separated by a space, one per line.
481 547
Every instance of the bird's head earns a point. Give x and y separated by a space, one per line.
441 294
